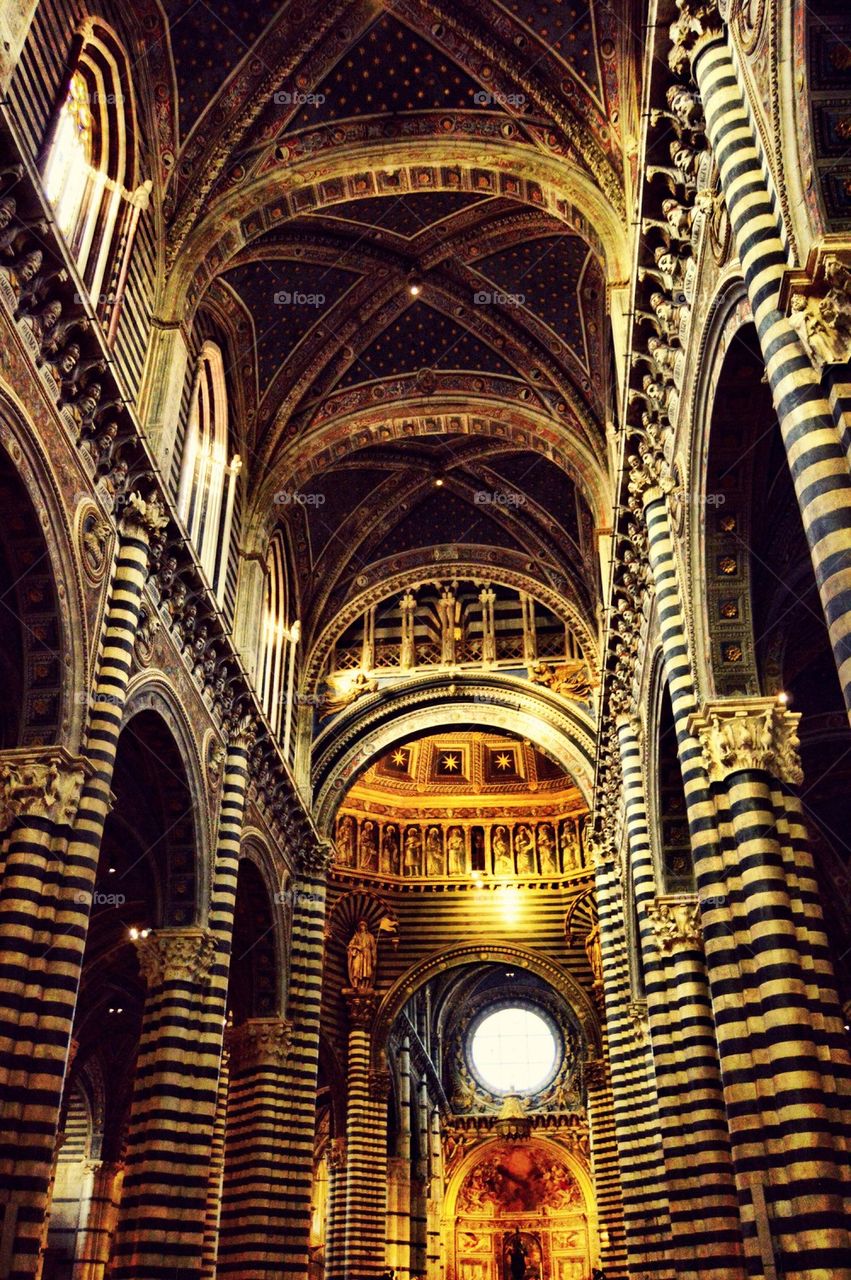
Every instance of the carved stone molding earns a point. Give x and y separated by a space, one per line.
260 1042
316 858
361 1006
748 733
675 923
40 783
175 955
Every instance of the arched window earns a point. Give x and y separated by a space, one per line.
89 165
275 671
205 498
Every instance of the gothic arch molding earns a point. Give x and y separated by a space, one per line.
427 570
496 951
346 172
425 705
25 446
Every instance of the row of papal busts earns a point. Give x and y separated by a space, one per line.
511 848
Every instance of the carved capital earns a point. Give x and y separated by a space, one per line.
675 923
41 783
243 733
594 1073
143 517
260 1042
361 1006
175 955
379 1086
316 857
748 733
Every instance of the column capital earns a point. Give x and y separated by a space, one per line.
260 1042
697 24
627 723
361 1006
175 955
675 923
40 782
316 858
748 734
143 516
379 1085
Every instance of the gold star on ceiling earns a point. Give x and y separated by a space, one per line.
503 761
450 763
399 756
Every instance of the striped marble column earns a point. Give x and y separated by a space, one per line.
646 1215
335 1242
750 747
164 1210
434 1204
161 1222
366 1144
399 1233
303 1011
817 455
216 1173
255 1215
604 1168
693 1124
45 900
93 1255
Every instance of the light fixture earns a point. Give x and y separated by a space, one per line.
438 482
135 933
415 283
783 698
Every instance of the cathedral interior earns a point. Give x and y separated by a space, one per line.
425 642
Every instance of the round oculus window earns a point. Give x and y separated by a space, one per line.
514 1049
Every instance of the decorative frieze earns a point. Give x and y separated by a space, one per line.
754 734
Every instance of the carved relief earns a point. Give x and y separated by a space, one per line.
675 922
176 955
260 1042
35 786
749 734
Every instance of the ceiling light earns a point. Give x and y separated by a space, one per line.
415 283
438 482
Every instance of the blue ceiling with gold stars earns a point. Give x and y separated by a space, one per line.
405 215
208 39
441 518
546 274
285 299
389 69
422 338
566 29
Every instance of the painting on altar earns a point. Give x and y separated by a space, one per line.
518 1180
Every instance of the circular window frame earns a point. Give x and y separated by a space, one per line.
532 1006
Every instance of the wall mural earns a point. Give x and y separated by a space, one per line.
520 1202
447 849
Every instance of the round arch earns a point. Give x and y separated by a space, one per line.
151 692
426 705
254 849
28 449
498 952
549 182
728 313
474 570
357 419
551 1145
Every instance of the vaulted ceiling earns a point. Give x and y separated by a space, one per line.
314 161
